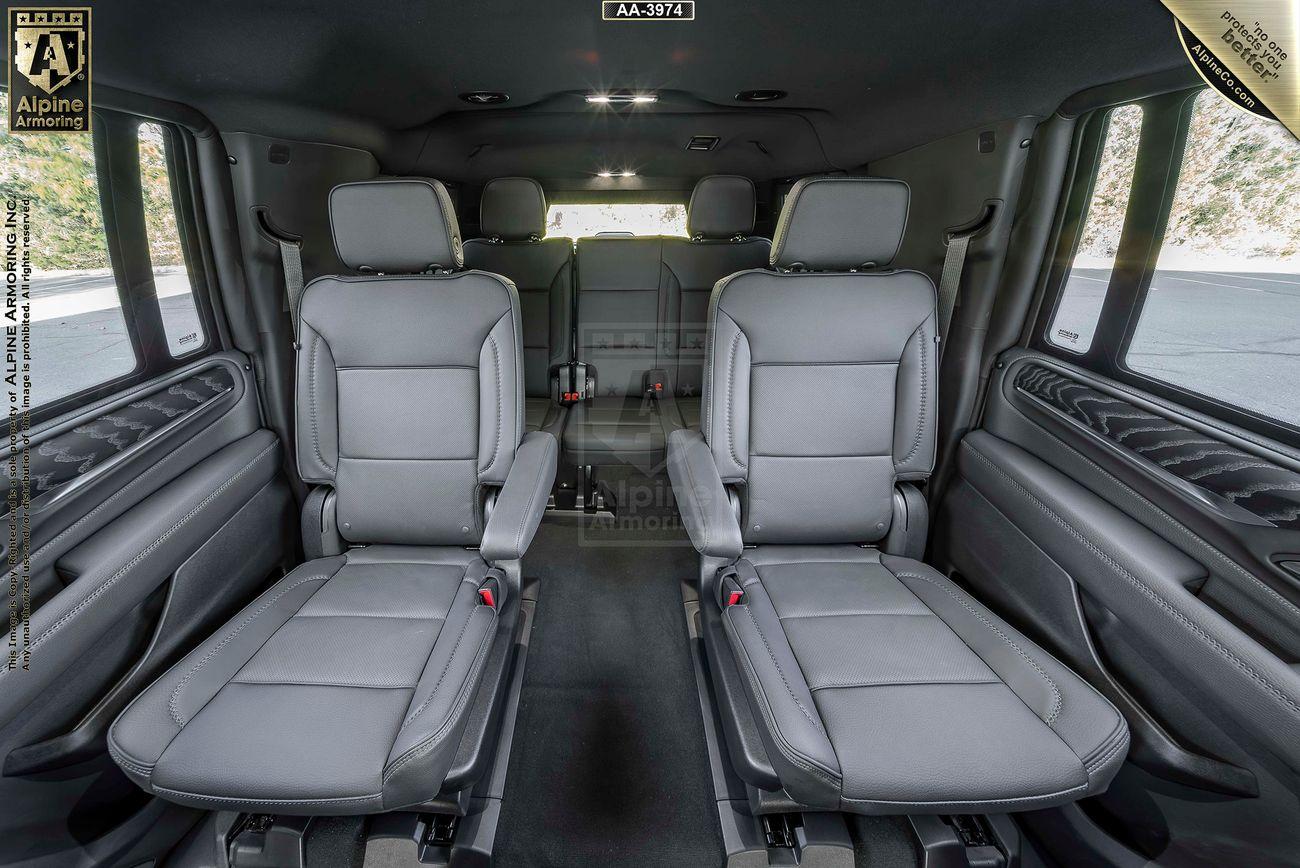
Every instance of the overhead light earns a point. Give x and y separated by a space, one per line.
702 143
760 95
616 174
485 97
621 98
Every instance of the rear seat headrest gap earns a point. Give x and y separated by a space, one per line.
721 207
395 226
840 224
513 209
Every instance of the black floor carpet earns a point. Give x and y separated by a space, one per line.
608 765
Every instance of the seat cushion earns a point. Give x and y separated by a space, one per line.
343 689
689 411
616 430
883 688
543 414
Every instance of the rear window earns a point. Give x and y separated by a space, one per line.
621 218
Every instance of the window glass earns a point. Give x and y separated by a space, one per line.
79 337
581 221
1079 306
1222 315
180 313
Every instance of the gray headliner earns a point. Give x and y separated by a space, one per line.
865 80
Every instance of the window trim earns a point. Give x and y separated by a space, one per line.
117 171
1158 169
1090 146
183 206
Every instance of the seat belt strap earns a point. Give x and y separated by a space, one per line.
291 260
950 282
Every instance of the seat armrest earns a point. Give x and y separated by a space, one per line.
703 502
522 501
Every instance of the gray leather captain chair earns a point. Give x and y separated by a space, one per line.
345 688
873 683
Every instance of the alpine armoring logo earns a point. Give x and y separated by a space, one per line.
51 58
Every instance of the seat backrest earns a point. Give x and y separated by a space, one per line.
409 391
719 220
512 218
819 382
622 302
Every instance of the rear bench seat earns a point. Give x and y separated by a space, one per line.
512 218
642 307
719 220
622 305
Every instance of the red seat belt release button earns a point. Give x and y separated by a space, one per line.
735 597
485 594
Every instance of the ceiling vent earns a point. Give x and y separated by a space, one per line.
702 143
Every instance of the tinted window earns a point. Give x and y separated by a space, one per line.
79 336
584 220
1079 304
1222 315
180 313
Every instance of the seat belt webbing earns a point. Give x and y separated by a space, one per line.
291 260
950 282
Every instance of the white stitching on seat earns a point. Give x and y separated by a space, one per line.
1098 762
731 401
311 393
446 667
920 417
1147 591
779 671
471 676
496 368
229 637
1056 693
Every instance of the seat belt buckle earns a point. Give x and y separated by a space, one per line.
571 383
492 590
654 382
730 591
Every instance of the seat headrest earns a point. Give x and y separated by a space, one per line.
513 209
395 226
721 206
835 224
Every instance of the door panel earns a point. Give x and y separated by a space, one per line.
154 515
1140 542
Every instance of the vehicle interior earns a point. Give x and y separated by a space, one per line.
490 434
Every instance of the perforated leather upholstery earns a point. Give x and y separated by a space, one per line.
877 684
345 688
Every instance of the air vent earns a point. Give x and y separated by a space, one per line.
760 95
702 143
485 97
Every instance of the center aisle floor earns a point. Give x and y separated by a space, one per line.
608 765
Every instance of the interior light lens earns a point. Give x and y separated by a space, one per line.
616 174
621 98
